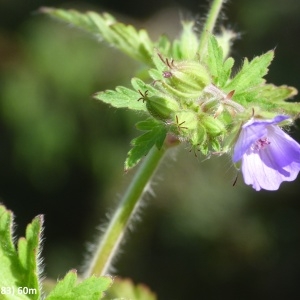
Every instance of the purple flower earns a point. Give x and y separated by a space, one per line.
268 155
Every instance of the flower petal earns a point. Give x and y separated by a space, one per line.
247 137
261 175
252 131
269 155
282 148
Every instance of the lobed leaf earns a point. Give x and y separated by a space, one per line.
154 136
122 97
275 93
135 43
92 288
251 74
214 58
19 267
80 20
273 96
140 85
219 69
29 250
226 72
164 45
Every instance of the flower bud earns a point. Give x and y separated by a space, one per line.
198 137
213 126
186 122
162 108
188 76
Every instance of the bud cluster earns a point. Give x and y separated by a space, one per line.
193 108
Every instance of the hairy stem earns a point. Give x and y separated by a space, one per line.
118 224
210 23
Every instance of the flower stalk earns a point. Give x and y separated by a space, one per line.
121 218
112 238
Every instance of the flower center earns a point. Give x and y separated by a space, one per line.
260 144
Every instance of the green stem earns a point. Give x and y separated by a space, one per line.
210 24
114 233
118 224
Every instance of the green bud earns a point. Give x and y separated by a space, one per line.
198 136
204 148
213 126
215 145
162 108
186 121
188 76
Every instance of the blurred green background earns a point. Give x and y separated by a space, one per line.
62 154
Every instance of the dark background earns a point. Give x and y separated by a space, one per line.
62 154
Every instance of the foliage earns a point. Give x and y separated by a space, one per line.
20 267
20 276
193 97
198 100
68 288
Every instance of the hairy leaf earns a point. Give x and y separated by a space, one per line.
154 136
251 74
219 69
92 288
164 45
122 97
276 93
19 267
271 96
135 43
140 85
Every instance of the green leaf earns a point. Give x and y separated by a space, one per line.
122 97
160 66
140 85
226 71
272 96
125 289
154 136
164 45
80 20
214 58
219 69
251 74
135 43
276 93
19 268
91 288
155 74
